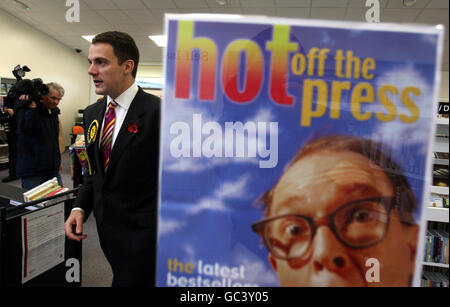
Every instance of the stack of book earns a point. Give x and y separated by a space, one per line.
434 279
436 249
47 189
439 201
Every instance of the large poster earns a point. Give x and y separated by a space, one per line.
294 152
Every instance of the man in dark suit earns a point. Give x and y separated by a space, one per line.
122 143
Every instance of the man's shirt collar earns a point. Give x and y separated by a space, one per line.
125 99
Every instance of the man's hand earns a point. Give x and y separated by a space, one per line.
9 111
74 226
24 97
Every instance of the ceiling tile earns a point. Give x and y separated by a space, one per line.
293 3
226 10
433 16
101 4
11 7
25 17
55 17
195 11
190 4
159 4
92 18
362 3
257 3
42 5
130 29
328 13
159 14
398 4
438 4
84 6
152 28
230 3
140 16
129 4
399 15
329 3
115 17
263 11
96 29
355 14
293 12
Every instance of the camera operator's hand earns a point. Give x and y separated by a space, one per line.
9 111
25 97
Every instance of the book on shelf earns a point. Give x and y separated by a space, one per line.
434 279
440 175
441 155
437 246
436 202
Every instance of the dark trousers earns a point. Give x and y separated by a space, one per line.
131 255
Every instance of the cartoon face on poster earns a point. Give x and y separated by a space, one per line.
294 152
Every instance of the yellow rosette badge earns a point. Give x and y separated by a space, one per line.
92 131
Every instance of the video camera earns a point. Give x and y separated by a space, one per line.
34 88
19 72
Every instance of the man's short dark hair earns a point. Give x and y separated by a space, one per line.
123 45
377 152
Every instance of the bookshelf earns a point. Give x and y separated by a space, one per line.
439 190
442 121
438 218
434 264
437 214
5 86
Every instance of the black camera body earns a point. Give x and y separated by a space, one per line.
35 89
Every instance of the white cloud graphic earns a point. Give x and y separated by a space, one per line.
234 189
397 132
216 202
212 204
169 226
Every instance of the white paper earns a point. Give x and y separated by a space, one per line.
16 203
42 241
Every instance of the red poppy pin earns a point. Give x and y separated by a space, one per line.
132 128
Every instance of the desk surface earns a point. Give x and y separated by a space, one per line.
11 249
8 192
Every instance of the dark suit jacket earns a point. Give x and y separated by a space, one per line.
124 199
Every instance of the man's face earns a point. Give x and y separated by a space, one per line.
52 99
320 184
108 76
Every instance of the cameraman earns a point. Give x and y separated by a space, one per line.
38 128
